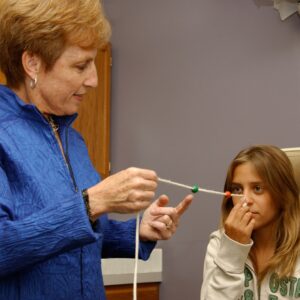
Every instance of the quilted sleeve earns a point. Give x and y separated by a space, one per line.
43 234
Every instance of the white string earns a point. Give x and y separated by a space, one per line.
138 226
136 256
199 189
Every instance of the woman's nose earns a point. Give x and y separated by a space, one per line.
92 78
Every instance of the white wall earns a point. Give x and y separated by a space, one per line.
195 81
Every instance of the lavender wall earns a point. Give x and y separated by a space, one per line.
193 82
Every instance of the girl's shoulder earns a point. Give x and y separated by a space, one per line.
297 267
217 234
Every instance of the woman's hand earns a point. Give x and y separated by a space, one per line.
240 223
127 191
160 222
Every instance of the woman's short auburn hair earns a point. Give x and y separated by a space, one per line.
44 28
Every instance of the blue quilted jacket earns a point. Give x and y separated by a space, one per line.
48 249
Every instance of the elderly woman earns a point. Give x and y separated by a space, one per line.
53 223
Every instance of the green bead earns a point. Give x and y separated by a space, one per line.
195 188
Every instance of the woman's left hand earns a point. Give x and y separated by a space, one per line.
160 222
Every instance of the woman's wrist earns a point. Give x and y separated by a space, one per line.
93 205
86 200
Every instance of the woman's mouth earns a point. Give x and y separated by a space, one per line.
79 96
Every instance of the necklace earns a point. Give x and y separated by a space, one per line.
52 123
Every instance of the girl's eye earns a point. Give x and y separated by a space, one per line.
258 189
236 190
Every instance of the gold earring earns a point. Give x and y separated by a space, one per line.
33 82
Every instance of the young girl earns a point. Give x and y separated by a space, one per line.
255 254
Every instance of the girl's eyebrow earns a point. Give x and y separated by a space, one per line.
252 182
236 183
257 182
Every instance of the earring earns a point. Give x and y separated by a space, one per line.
33 82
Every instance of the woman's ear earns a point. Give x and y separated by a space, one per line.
31 64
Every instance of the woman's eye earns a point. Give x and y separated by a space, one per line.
81 67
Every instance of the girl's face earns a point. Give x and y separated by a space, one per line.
246 181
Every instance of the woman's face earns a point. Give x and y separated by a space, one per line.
60 90
246 181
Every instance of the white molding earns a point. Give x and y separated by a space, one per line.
121 270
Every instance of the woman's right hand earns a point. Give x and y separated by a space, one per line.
240 223
127 191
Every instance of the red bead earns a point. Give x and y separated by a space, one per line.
227 194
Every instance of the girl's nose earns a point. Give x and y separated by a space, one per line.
248 197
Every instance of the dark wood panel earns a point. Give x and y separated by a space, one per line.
2 78
145 291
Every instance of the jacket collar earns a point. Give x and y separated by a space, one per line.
9 101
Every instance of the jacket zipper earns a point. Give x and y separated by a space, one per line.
68 161
54 127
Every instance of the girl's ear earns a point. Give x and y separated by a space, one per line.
31 64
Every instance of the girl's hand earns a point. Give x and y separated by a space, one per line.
240 223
